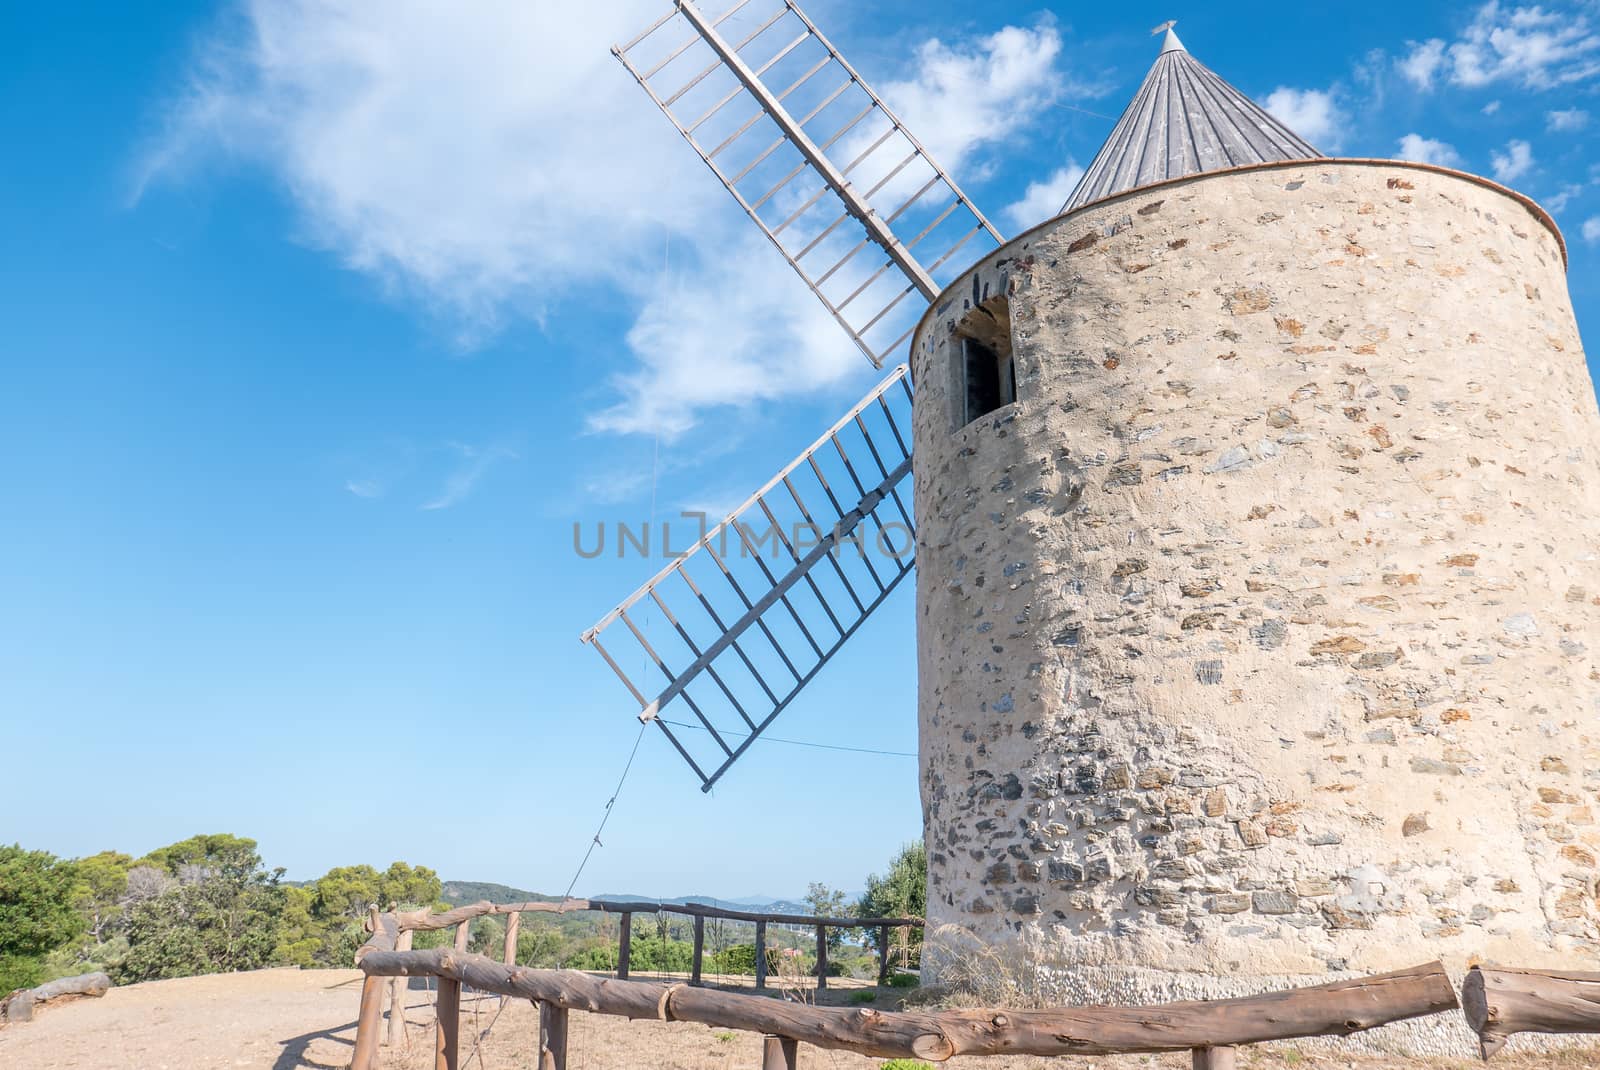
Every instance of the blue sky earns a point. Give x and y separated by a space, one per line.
325 322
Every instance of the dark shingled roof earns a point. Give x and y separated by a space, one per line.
1184 120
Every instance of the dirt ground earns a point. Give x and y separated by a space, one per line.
291 1019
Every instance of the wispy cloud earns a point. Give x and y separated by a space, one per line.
1512 164
1428 150
472 464
1526 46
1422 63
1314 114
1591 230
1558 201
364 488
1042 200
1566 120
423 148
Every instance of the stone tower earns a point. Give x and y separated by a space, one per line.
1258 512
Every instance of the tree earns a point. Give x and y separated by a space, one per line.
539 945
224 914
37 912
348 892
102 884
828 902
215 850
902 892
409 886
301 936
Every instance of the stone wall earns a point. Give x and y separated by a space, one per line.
1258 637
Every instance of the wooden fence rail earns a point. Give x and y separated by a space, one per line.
1211 1029
1500 1002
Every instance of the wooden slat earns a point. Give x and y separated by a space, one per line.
761 954
447 1034
624 946
366 1053
397 998
699 949
779 1053
822 957
552 1037
513 929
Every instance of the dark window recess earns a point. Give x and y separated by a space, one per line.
991 378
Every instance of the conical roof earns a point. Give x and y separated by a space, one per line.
1184 120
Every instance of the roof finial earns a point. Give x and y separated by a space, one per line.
1171 42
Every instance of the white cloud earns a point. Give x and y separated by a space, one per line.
1591 230
733 330
364 488
1043 200
1428 150
1491 107
472 464
1311 113
493 162
1512 164
965 97
1526 46
1557 202
1566 120
1423 62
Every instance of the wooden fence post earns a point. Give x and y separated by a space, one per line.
761 954
699 947
463 934
552 1037
883 955
624 947
447 1044
779 1053
366 1053
397 997
513 927
1214 1058
822 957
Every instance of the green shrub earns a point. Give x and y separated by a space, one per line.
37 913
905 1064
723 1036
741 959
863 997
904 980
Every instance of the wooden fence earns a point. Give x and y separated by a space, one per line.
462 917
1497 1002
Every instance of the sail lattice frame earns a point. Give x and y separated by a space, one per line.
783 120
739 622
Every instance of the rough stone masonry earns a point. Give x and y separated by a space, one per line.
1257 637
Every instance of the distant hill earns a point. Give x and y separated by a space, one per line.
751 903
457 893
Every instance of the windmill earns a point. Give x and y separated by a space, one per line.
1241 535
874 226
856 204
